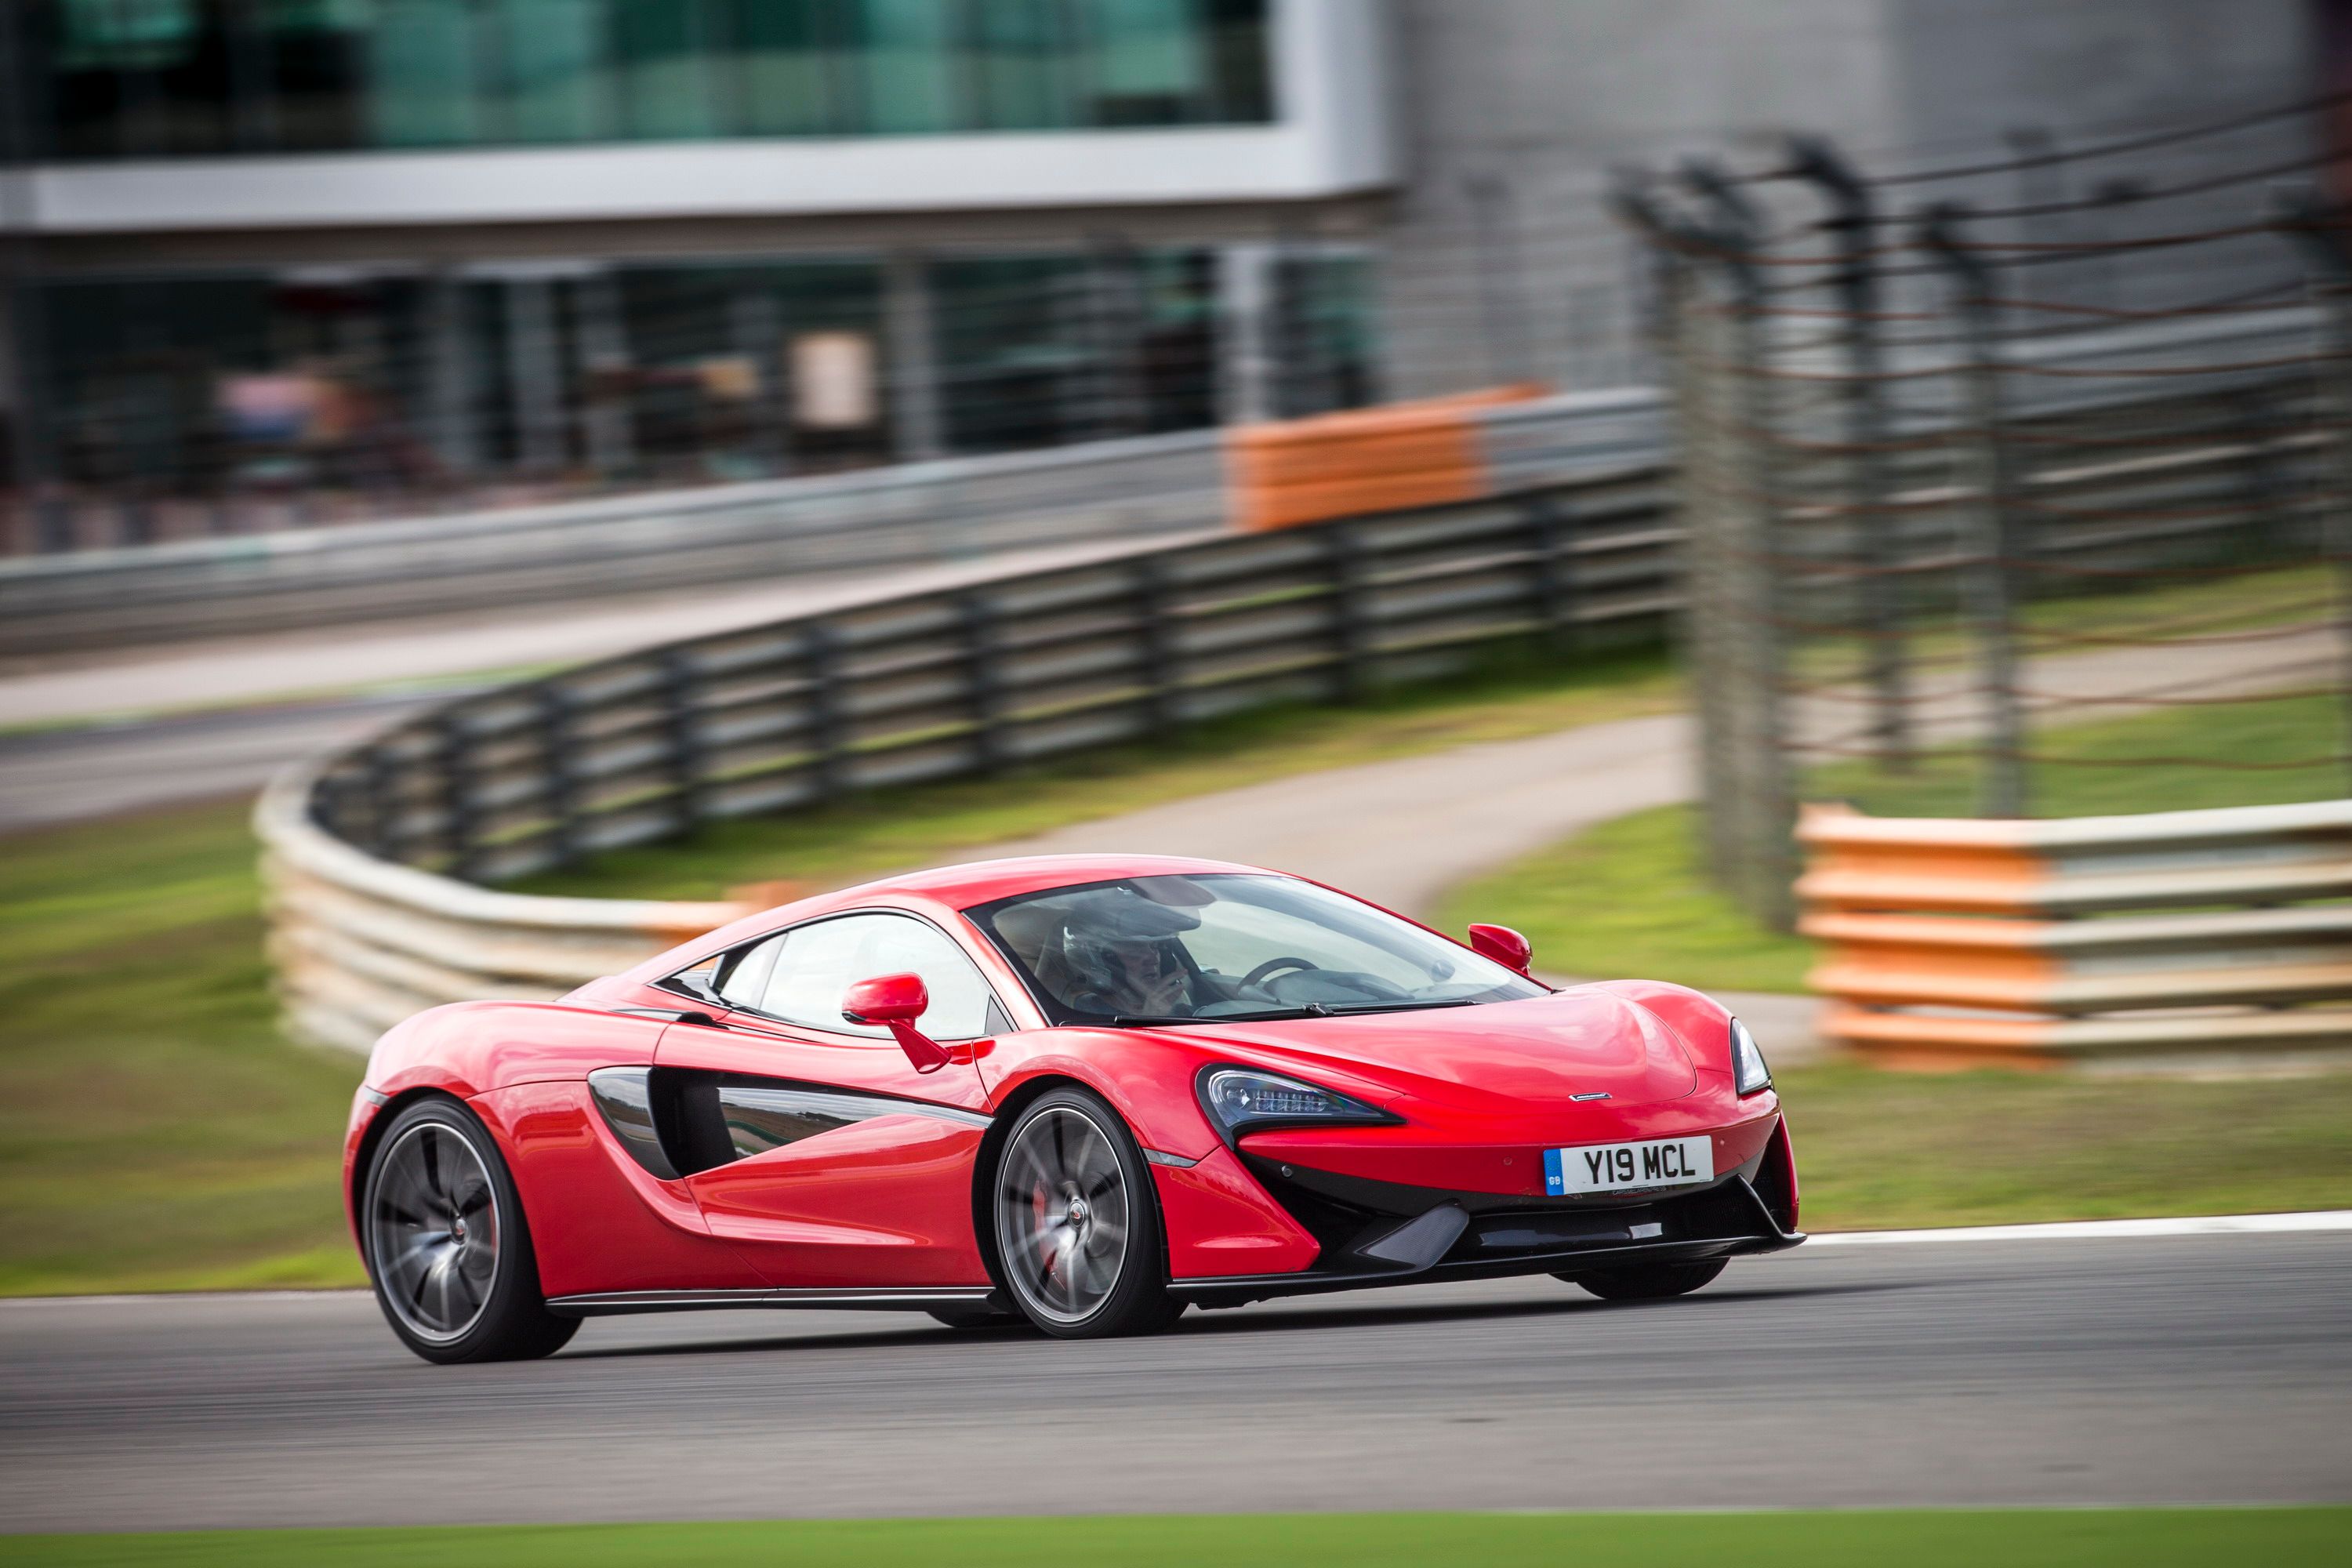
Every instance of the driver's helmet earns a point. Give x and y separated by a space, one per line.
1103 928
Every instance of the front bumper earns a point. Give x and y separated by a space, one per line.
1375 1233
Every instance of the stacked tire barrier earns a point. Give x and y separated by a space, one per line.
375 857
2188 937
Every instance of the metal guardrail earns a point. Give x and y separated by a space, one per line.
2174 934
1140 487
370 855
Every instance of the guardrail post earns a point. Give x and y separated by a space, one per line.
983 680
1869 482
1995 547
1551 562
1155 619
681 741
557 754
2324 236
1758 794
387 832
460 826
826 729
1344 549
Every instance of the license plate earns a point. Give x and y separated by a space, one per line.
1624 1167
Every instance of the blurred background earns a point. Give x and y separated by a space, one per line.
1791 497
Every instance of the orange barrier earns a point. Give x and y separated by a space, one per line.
1399 455
2168 936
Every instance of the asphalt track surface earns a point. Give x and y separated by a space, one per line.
2180 1369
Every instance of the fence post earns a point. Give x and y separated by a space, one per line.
1752 664
983 681
1994 547
2324 236
1164 681
827 726
1551 558
460 827
1344 550
558 753
681 740
1850 226
1709 359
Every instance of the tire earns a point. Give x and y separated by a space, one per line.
975 1317
446 1247
1076 1222
1648 1281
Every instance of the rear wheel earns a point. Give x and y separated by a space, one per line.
1077 1222
1648 1281
447 1246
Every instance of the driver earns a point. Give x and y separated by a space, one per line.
1120 956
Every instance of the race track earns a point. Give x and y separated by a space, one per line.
2184 1369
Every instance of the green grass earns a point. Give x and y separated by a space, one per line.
1507 697
1880 1151
1629 897
155 1131
2014 1538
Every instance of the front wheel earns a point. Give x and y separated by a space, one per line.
1647 1282
1077 1222
447 1249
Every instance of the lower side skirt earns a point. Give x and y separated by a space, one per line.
911 1298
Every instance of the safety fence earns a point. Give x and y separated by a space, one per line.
1934 446
369 854
2195 938
1139 489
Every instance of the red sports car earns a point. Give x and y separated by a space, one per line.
1082 1091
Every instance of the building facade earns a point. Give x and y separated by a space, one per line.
365 251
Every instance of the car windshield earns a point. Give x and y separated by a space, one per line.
1229 945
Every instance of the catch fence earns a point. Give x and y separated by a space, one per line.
1988 516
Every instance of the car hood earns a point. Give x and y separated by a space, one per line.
1539 1053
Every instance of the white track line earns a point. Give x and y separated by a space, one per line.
2086 1229
2061 1230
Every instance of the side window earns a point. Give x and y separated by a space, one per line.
744 977
814 965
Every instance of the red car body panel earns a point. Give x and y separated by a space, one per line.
598 1222
888 1200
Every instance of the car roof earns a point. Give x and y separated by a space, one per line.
985 882
948 887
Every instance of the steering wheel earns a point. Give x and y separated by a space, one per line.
1274 966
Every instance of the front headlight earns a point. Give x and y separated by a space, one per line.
1748 1073
1241 1099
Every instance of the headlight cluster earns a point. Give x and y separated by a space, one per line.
1748 1073
1239 1098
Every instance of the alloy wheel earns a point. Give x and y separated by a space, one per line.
433 1231
1062 1214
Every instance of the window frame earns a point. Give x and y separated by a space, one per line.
996 1012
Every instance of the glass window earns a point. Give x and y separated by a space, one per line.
317 53
908 47
556 84
422 63
789 68
662 65
1230 945
111 79
1025 65
1325 322
802 976
1013 352
1149 62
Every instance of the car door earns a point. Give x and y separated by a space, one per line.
824 1155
